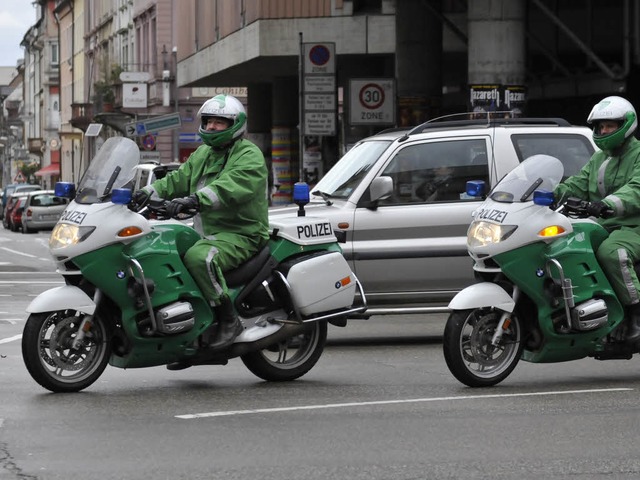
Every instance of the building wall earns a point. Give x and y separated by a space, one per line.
204 22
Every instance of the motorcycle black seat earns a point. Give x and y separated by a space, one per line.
247 270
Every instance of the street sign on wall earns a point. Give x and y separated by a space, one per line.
134 95
134 76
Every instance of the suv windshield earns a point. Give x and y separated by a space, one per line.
114 166
539 172
345 176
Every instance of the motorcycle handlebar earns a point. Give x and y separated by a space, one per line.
157 210
577 208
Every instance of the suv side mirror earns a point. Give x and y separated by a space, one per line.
381 188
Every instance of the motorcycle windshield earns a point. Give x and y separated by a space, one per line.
539 172
114 166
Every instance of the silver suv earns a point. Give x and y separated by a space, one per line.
149 172
397 201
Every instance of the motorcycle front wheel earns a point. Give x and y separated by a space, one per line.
48 353
468 349
291 358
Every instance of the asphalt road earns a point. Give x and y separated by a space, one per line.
380 404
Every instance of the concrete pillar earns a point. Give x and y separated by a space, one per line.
285 101
418 60
497 53
259 107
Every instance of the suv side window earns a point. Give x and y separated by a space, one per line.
436 171
143 179
574 151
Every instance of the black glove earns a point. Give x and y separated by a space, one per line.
179 205
139 199
599 209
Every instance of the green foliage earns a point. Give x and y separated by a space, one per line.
28 170
103 92
103 89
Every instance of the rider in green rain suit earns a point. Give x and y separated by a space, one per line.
611 180
226 181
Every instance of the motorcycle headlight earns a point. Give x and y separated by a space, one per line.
64 235
484 233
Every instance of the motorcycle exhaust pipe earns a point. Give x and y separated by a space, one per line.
287 331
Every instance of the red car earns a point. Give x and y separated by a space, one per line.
11 203
14 214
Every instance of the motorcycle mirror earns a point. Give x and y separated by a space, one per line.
121 196
543 197
65 189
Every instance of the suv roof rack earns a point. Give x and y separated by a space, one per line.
489 121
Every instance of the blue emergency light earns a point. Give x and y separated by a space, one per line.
475 188
543 197
65 189
300 196
121 196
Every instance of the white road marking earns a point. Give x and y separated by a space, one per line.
391 402
18 253
10 339
32 282
28 273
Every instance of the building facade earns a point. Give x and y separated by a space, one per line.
315 75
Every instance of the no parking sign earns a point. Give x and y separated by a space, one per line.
371 102
149 142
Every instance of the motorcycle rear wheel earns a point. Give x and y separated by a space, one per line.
49 358
290 359
468 351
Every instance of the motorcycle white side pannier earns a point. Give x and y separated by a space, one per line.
321 283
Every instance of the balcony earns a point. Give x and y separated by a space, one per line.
35 145
81 115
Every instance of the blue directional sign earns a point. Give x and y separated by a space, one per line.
153 124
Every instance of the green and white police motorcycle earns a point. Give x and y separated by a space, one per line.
543 297
129 301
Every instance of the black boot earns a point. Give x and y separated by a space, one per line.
181 365
633 332
229 326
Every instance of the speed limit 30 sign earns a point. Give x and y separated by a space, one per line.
372 102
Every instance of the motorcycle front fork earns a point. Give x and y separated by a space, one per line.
85 325
505 321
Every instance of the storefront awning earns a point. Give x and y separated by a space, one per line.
53 169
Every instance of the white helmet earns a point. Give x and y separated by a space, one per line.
223 106
616 109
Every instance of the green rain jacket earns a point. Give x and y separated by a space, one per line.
615 180
232 189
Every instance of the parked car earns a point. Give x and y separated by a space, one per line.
397 201
12 201
41 210
15 188
15 206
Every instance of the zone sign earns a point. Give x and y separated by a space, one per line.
372 102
